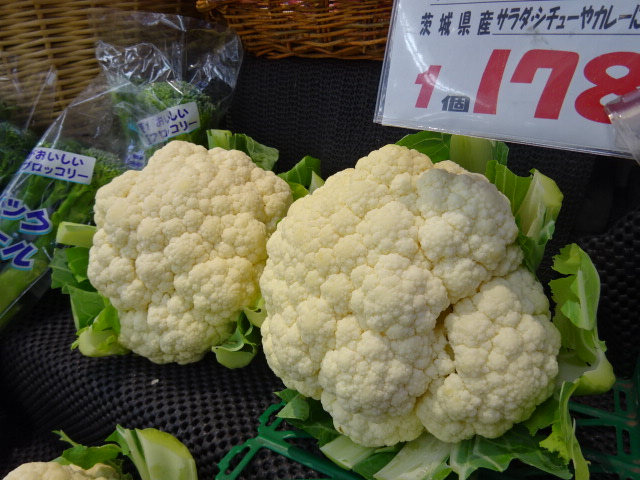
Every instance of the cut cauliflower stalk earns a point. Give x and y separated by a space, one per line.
57 471
395 295
180 246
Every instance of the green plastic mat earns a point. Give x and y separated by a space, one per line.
272 437
608 428
621 422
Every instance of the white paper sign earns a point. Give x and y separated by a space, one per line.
537 72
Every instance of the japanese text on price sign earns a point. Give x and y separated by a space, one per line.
536 72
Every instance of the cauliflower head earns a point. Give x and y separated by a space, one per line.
180 246
57 471
395 295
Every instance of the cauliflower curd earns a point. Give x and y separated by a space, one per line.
180 246
395 295
57 471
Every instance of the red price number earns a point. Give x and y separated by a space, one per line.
562 66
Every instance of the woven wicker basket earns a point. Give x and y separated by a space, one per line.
38 34
349 29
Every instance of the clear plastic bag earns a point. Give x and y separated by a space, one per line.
22 97
56 182
177 79
177 66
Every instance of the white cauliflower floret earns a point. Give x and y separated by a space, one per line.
57 471
496 336
180 247
468 232
372 287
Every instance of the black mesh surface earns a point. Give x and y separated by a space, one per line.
322 108
616 255
208 407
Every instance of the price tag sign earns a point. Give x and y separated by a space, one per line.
537 72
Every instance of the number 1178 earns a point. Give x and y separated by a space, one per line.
562 66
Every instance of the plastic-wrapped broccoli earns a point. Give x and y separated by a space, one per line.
156 112
175 77
31 209
21 101
15 145
164 95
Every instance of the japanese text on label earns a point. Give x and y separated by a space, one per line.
169 123
58 164
32 223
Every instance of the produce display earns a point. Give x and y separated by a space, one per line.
144 96
398 300
402 304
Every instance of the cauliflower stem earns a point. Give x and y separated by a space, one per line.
576 296
535 203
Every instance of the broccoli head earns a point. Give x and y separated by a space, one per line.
159 96
143 101
15 145
6 110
